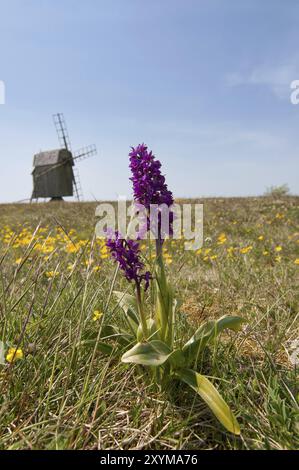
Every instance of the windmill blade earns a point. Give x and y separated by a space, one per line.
62 133
77 185
85 152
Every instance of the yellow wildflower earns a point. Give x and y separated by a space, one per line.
88 262
48 249
222 239
278 248
246 249
14 355
97 315
261 237
104 252
72 248
168 258
51 274
265 253
19 261
296 261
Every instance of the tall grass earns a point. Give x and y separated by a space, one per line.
66 394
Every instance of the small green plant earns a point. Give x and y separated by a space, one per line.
277 191
155 337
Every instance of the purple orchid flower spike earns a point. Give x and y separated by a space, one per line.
150 188
127 254
148 183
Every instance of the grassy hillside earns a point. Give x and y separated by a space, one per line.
66 394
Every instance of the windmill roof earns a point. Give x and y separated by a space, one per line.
51 157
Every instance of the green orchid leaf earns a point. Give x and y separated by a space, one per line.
112 332
208 332
129 305
166 308
153 353
108 332
105 348
177 359
165 304
202 385
127 302
153 333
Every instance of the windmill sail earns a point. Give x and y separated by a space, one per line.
62 131
84 153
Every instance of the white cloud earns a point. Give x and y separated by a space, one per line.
276 77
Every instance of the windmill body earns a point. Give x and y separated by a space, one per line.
54 175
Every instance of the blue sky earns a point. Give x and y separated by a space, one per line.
205 83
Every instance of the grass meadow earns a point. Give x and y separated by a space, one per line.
56 283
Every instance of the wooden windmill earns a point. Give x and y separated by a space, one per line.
54 173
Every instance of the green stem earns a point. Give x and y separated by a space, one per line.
141 312
162 291
158 247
